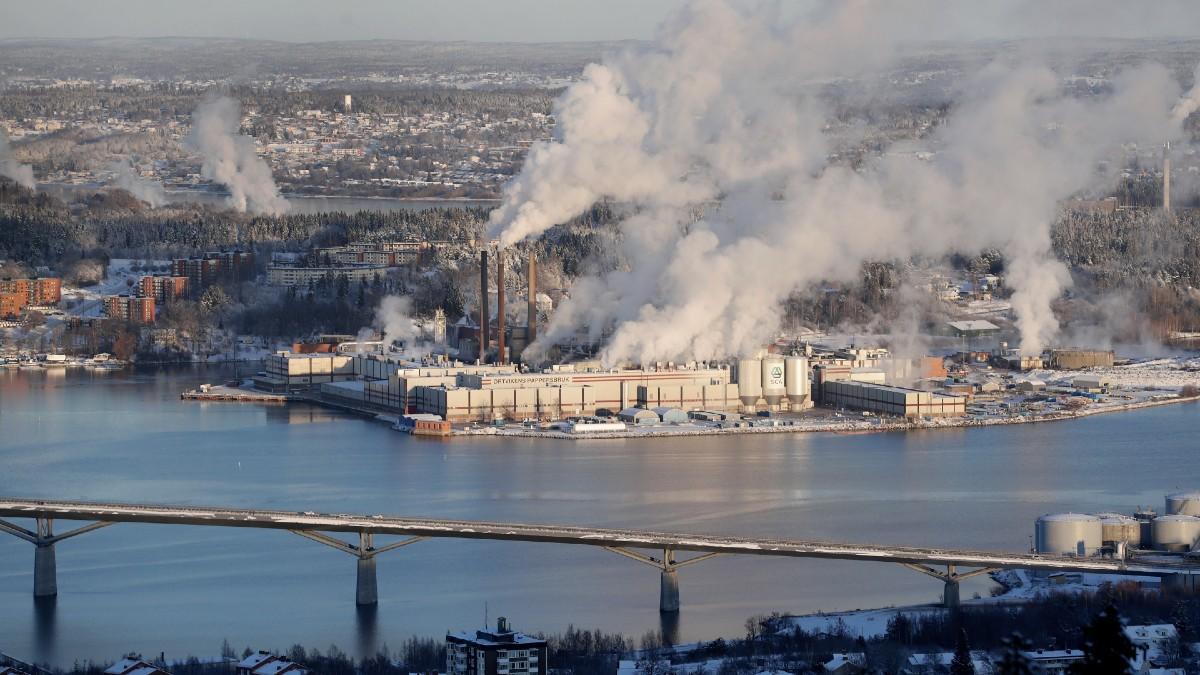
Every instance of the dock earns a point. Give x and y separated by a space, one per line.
234 394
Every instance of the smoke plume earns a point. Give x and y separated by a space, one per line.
231 160
725 111
394 320
10 168
1190 103
148 191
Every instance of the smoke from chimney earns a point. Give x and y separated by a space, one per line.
726 115
531 308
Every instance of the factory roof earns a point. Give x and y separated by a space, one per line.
973 326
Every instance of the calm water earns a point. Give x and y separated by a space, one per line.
182 590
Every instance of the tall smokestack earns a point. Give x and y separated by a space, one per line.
531 321
1167 177
500 305
484 336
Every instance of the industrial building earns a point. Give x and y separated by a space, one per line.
287 372
503 651
887 400
1075 359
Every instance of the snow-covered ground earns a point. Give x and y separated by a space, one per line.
120 277
1020 586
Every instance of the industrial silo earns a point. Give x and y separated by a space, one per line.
1184 503
749 383
1176 532
1118 527
773 385
1069 534
795 375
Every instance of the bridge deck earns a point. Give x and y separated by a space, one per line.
565 534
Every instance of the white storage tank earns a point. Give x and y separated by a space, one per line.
1069 534
749 382
796 382
1184 503
1120 527
1175 532
773 384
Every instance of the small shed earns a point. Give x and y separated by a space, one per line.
671 415
638 416
1031 385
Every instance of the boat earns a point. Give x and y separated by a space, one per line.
55 361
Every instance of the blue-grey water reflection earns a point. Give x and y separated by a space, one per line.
182 590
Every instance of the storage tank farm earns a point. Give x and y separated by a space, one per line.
796 382
773 384
1081 534
1184 503
1120 528
1077 534
749 374
1175 533
778 382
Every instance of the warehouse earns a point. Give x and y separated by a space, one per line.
671 415
638 416
285 371
887 400
1075 359
460 404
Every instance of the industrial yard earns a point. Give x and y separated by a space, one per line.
807 388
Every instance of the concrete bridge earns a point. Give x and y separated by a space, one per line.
632 544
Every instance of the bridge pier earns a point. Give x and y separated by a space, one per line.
45 567
668 592
950 594
45 571
366 583
367 589
951 580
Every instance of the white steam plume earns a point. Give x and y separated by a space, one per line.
394 320
725 108
148 191
1190 102
231 160
11 168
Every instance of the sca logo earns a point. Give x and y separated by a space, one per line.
776 373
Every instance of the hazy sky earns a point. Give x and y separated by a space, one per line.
558 20
315 20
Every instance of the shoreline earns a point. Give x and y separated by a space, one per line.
857 427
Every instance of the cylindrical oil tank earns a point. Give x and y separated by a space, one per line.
796 382
1120 527
1184 503
749 381
1069 534
1176 532
773 384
